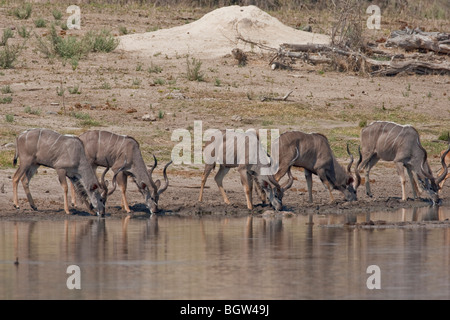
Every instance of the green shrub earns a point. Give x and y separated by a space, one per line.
29 110
85 119
445 136
57 14
7 33
74 48
6 100
74 90
9 118
6 89
159 81
23 12
102 41
123 30
40 23
23 32
154 68
70 47
193 71
8 55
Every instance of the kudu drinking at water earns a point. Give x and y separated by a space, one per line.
446 160
315 156
105 148
389 141
242 151
65 154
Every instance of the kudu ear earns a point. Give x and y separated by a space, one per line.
158 184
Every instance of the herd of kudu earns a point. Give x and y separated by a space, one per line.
77 158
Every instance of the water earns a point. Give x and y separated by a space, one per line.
300 257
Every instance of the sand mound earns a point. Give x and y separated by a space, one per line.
215 34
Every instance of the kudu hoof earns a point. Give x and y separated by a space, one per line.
34 208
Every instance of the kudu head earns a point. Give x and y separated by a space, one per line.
90 194
347 188
152 194
429 183
275 192
272 189
96 202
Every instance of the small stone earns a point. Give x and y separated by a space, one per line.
149 117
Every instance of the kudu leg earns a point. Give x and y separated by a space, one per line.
16 178
401 173
205 175
371 163
413 180
26 184
219 179
73 195
65 187
441 184
122 179
247 183
309 184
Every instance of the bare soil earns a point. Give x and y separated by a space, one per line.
117 89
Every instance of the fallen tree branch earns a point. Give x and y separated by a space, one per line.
277 99
259 45
418 67
418 41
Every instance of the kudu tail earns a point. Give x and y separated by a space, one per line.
16 155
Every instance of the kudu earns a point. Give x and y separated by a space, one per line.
242 151
105 148
388 141
65 154
315 157
446 160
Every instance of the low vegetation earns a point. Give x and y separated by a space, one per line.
73 48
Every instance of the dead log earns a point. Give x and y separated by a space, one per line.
413 66
277 99
416 39
416 42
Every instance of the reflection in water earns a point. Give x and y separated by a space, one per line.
302 257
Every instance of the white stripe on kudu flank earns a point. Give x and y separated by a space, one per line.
123 140
39 138
54 142
393 143
387 137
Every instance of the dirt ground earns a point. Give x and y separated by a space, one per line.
117 89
